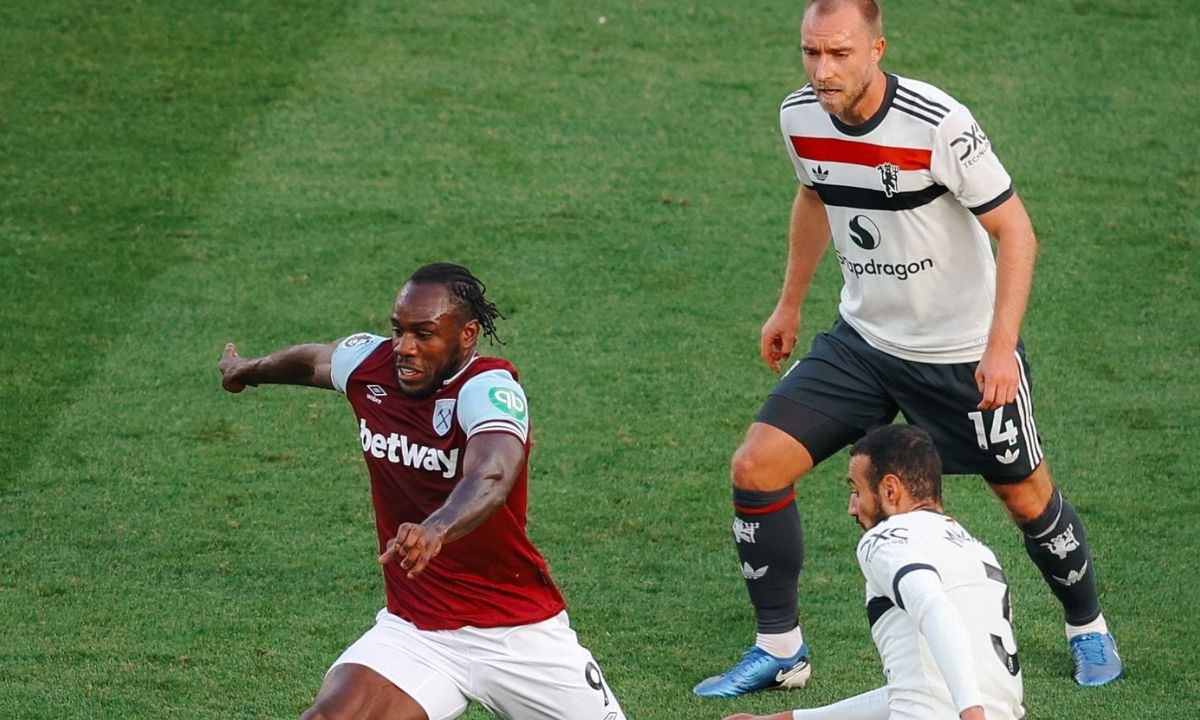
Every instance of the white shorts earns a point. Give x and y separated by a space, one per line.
523 672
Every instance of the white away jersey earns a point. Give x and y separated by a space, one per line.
901 192
928 541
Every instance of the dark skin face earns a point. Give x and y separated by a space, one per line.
430 340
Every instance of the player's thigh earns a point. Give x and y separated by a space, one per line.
830 397
356 692
541 672
784 443
417 664
1002 445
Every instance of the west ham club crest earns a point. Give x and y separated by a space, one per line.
443 416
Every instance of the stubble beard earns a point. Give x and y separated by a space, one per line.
839 108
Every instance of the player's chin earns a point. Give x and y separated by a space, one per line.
417 389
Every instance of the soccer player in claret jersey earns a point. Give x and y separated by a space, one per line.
905 182
937 599
472 614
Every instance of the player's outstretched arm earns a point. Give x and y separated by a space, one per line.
491 463
307 364
867 706
808 236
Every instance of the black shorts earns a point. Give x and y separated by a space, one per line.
844 387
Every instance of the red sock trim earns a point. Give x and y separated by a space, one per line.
766 508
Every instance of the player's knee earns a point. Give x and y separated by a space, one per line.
1027 499
332 708
319 711
752 471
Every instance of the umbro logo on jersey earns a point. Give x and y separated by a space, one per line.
398 449
889 175
820 173
375 392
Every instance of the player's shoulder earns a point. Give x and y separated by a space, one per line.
351 354
799 98
488 377
924 102
891 533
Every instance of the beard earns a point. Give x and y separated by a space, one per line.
453 364
850 96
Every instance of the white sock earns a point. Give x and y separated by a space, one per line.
1096 626
781 645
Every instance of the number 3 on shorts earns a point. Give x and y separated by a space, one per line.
1003 431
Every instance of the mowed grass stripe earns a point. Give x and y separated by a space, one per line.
119 122
622 188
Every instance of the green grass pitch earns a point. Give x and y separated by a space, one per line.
175 175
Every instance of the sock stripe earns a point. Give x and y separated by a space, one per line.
765 508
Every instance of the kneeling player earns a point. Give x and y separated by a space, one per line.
937 600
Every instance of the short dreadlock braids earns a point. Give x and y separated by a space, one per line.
468 289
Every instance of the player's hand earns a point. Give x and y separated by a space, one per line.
975 712
779 336
231 364
997 377
413 547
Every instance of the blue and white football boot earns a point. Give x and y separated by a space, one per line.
758 670
1096 659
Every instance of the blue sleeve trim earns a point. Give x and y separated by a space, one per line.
349 354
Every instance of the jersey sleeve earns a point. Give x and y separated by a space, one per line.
493 401
945 633
964 162
349 354
787 127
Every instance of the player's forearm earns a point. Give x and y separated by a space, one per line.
1014 282
307 364
1016 255
491 464
946 634
871 705
472 502
808 236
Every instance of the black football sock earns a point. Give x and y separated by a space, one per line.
1057 544
770 547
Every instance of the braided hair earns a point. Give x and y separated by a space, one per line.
468 292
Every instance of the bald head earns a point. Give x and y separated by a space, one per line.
868 10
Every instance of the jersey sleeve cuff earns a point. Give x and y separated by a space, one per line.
993 203
503 426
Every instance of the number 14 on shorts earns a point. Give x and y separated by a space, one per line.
1002 431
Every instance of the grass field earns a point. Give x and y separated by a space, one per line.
176 175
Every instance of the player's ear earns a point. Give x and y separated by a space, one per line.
470 333
889 489
877 47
